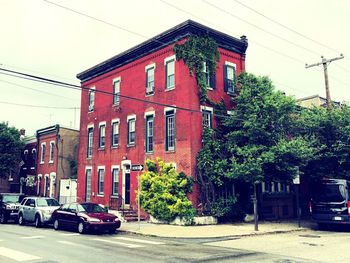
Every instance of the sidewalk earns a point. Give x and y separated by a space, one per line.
212 231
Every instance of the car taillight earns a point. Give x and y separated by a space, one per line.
310 207
348 208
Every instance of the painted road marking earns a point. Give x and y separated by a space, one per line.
16 255
116 243
32 237
140 240
67 243
70 234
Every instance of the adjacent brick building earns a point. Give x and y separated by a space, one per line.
56 153
143 104
28 165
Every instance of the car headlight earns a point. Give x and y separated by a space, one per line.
8 207
116 219
91 219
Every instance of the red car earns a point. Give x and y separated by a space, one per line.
84 217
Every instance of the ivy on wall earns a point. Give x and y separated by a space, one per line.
196 51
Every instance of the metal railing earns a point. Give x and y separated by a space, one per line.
116 202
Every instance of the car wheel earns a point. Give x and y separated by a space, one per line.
81 228
21 220
56 225
3 219
37 221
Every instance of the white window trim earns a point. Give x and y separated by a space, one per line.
25 152
115 167
129 117
149 66
102 167
206 108
88 168
101 123
89 126
166 109
33 151
91 89
228 63
167 59
149 113
42 158
117 79
51 143
115 121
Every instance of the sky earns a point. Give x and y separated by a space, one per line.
58 39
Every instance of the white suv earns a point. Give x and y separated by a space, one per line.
37 210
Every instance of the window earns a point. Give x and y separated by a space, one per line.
91 99
34 154
229 77
89 142
209 76
131 130
170 72
101 180
206 118
43 149
88 184
115 133
102 135
115 181
116 91
149 133
52 149
150 80
25 155
170 130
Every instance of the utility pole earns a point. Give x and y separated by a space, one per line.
325 63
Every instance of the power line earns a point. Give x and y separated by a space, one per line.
40 91
286 27
37 106
260 28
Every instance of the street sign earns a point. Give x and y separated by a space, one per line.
137 167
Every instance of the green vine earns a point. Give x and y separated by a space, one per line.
194 52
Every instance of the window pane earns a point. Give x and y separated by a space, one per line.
116 92
170 131
149 134
115 133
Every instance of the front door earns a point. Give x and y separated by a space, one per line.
127 188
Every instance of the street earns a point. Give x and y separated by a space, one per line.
29 244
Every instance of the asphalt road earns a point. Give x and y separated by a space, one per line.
44 245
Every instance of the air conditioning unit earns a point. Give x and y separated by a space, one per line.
149 89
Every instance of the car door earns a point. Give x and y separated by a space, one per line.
29 210
72 215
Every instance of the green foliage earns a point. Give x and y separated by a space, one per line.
11 148
255 143
163 192
331 132
222 207
194 52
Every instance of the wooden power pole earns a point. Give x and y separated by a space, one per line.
325 63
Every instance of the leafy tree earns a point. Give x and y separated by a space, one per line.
255 142
331 128
163 192
11 148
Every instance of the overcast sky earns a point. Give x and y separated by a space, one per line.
40 38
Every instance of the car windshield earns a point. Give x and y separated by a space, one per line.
47 202
330 193
10 198
91 208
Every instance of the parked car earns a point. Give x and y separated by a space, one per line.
9 204
37 209
330 203
85 216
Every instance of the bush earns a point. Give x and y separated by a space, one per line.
163 192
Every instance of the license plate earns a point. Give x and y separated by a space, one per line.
337 218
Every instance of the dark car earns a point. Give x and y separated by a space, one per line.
330 203
84 217
9 204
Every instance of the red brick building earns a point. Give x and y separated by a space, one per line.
56 148
143 104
